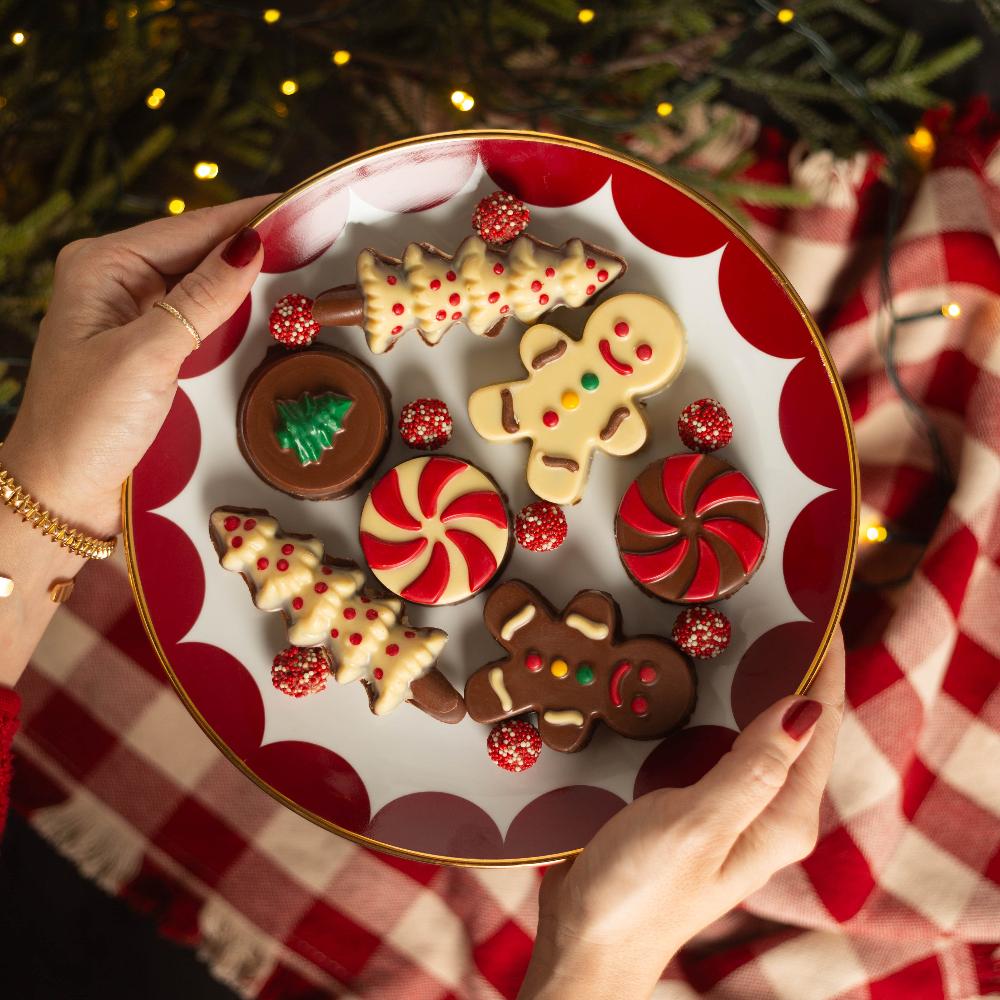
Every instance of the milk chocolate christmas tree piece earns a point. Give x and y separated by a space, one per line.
430 291
323 604
574 669
578 396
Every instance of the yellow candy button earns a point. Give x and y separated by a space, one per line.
559 668
570 400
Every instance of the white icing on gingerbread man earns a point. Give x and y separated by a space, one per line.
579 396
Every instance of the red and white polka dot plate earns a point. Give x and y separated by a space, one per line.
404 782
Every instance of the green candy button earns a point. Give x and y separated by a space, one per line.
590 382
585 674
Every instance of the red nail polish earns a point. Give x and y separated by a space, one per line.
801 717
242 248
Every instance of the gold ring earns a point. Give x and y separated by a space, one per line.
182 319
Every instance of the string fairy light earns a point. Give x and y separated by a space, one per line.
340 57
875 533
271 16
155 98
18 37
585 15
175 206
785 15
289 87
462 100
205 170
664 109
280 109
949 310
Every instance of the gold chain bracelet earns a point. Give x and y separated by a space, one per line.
22 502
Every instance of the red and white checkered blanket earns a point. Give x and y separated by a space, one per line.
901 898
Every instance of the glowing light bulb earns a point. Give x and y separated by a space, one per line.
664 109
785 16
280 109
132 11
951 310
462 100
155 97
175 206
272 15
921 141
585 15
204 170
341 57
289 87
876 533
18 37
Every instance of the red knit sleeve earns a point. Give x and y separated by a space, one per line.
10 705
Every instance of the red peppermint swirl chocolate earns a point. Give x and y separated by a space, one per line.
691 529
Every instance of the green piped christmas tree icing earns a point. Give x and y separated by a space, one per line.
308 425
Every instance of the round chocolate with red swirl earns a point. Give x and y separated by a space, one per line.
435 530
691 529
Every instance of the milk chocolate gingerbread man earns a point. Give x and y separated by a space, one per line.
574 669
579 396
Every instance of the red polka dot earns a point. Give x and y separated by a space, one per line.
391 280
397 330
282 565
494 296
505 309
498 268
398 308
543 299
450 275
435 284
237 541
644 352
334 633
454 299
410 634
327 571
536 285
321 587
263 563
350 614
249 524
354 638
591 289
441 314
550 418
287 550
533 662
371 614
591 263
640 705
621 329
297 603
457 315
647 674
392 649
231 523
550 272
602 275
378 673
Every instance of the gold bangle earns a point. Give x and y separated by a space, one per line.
22 502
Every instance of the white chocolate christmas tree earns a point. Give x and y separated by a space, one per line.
323 604
429 291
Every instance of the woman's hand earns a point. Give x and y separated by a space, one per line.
105 366
675 860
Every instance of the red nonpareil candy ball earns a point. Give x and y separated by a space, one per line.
702 632
500 218
291 322
540 527
300 670
514 746
425 424
704 425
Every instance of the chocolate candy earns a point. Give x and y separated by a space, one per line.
313 423
574 669
324 603
691 529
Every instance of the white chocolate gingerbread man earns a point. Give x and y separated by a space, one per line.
579 395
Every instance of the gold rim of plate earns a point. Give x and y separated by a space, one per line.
739 232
